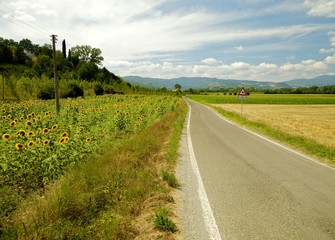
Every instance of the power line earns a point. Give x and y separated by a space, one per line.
29 27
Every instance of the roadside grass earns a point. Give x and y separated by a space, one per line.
111 196
162 221
321 152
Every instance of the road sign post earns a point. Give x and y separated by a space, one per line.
242 94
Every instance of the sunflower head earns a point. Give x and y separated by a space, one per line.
19 146
29 123
45 131
31 144
31 134
12 124
46 142
6 137
21 133
64 140
88 140
54 127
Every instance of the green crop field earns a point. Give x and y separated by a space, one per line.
219 98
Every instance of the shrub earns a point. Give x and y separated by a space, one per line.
163 223
170 178
73 91
98 89
46 93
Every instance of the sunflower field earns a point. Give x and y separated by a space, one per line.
36 146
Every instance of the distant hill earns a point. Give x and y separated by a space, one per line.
202 82
324 80
215 83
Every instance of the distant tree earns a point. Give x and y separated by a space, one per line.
177 87
6 55
87 54
88 71
46 49
27 45
19 56
64 48
43 65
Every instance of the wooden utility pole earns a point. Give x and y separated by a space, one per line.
54 39
3 87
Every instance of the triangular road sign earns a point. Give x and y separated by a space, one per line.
242 93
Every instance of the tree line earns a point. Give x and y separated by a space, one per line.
303 90
79 62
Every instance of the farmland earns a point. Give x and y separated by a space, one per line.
311 121
38 148
267 98
305 122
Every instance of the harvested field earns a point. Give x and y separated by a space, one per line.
315 122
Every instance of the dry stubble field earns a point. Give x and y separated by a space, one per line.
316 122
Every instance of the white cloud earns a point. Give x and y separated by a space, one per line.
323 8
291 58
237 70
239 48
325 50
210 61
330 59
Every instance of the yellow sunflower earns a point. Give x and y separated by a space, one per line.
19 146
54 127
21 133
45 131
31 134
31 144
29 123
6 136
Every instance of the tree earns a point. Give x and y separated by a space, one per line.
6 55
87 54
43 65
64 48
88 71
20 57
177 87
27 45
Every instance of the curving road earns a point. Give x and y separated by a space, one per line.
239 185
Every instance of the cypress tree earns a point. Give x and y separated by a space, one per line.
64 48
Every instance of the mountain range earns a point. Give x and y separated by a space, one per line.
216 83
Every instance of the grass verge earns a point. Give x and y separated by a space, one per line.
112 196
323 153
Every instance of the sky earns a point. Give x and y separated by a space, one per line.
264 40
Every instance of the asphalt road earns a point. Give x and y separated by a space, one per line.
239 185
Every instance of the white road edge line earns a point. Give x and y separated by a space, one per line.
307 158
210 222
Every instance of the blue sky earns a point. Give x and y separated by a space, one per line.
266 40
